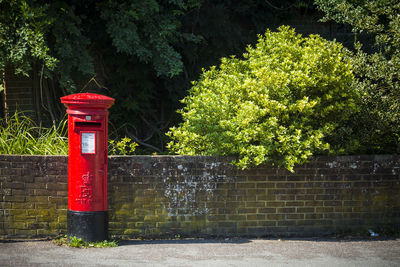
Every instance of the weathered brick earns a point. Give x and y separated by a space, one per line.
305 197
246 198
332 203
14 185
232 204
41 192
22 205
252 192
256 204
286 223
257 178
235 217
296 178
276 191
265 185
144 212
237 192
216 217
285 185
304 185
280 178
62 193
335 216
285 197
295 216
313 216
226 224
57 186
266 223
266 210
274 204
14 198
325 197
256 217
245 185
267 197
324 209
246 210
305 171
294 203
286 210
246 224
296 191
35 185
351 203
305 210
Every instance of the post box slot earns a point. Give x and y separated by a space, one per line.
87 124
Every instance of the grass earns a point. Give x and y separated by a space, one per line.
21 135
75 242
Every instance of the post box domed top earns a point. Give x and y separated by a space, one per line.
88 101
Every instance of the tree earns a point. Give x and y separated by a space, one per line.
277 105
64 30
117 44
22 37
143 53
378 126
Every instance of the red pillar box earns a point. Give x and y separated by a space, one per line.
87 216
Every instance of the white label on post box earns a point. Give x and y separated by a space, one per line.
88 142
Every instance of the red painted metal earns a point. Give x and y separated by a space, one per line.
87 156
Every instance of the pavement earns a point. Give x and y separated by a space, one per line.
208 252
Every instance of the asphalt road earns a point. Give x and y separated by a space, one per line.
224 252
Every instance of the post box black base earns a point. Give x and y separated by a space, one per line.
91 226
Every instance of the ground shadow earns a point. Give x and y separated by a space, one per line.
186 241
240 240
25 240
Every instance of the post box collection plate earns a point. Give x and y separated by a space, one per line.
88 141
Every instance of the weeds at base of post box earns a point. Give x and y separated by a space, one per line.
76 242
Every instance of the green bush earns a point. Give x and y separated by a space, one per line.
20 135
377 126
278 105
124 146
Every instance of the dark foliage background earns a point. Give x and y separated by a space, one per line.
142 53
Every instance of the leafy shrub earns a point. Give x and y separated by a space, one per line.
125 146
20 135
277 105
377 127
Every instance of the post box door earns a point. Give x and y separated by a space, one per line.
88 185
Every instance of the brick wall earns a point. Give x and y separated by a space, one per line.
161 196
33 195
19 93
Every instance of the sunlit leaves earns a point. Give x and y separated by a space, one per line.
378 126
275 106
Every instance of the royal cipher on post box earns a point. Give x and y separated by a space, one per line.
87 216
